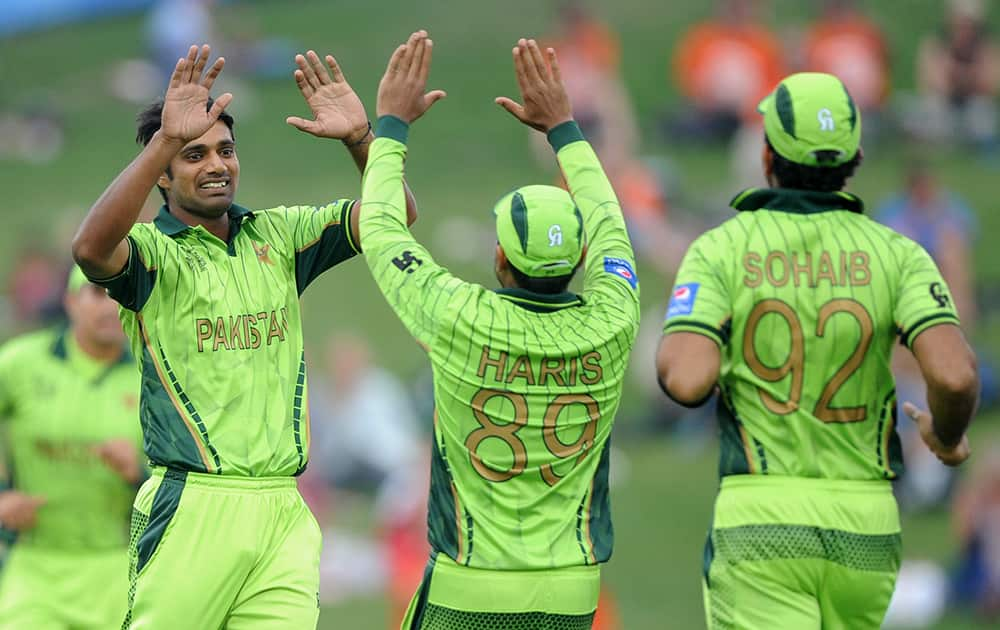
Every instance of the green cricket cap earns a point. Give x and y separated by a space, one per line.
76 280
540 230
812 112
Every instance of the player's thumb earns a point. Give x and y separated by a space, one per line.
912 411
301 123
516 110
220 104
433 97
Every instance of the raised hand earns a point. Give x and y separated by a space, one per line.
546 104
337 111
401 90
948 455
185 105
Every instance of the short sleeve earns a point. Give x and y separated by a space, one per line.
135 283
321 238
700 301
924 299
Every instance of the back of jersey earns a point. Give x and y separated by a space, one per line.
807 297
526 396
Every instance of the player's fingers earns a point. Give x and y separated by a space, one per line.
220 104
192 56
424 71
396 60
304 86
416 66
178 73
302 124
318 69
519 72
406 60
213 73
307 71
533 62
200 62
338 76
912 411
554 65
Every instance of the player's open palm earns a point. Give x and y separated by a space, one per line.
948 455
546 104
401 92
19 511
186 115
337 111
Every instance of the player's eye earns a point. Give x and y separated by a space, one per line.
194 157
228 152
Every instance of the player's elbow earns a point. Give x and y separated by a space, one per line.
960 381
84 250
687 368
686 391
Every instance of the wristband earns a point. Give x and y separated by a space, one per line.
363 140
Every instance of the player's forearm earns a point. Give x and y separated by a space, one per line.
112 216
590 188
359 153
952 404
949 368
383 197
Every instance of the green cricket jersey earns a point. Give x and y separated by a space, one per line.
216 330
526 386
57 404
806 297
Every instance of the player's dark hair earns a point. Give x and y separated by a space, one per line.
818 178
148 123
546 286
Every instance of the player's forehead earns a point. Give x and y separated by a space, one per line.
217 135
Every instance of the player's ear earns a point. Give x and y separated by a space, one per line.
163 181
500 259
583 258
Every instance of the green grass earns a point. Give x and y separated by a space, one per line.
463 156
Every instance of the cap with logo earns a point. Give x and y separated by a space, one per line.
540 230
811 119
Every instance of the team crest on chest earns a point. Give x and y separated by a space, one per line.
262 252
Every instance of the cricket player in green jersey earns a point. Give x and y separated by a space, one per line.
527 378
70 423
209 295
792 308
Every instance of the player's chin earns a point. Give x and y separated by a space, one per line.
213 206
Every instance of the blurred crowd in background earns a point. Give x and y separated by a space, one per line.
371 431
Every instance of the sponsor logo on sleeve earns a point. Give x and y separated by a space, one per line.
621 268
682 300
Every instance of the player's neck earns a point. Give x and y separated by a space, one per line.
219 226
105 353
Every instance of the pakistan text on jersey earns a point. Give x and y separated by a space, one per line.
248 331
779 268
564 371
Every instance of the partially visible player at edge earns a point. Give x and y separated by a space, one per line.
793 307
69 411
209 295
527 378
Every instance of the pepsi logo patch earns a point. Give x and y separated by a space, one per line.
621 268
682 300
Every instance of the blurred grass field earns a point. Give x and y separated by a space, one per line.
463 156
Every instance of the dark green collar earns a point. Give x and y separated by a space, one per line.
797 201
539 302
172 226
60 351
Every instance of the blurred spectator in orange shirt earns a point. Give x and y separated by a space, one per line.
724 67
845 43
958 71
